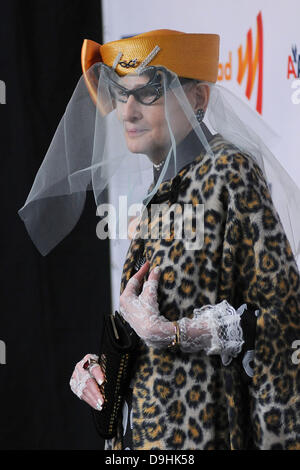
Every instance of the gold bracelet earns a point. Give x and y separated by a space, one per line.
177 333
176 340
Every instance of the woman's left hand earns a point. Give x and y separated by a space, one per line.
141 311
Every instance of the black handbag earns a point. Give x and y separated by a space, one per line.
116 358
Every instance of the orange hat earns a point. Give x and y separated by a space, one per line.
188 55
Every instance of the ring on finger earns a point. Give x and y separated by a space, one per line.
89 363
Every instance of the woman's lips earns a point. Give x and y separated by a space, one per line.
135 132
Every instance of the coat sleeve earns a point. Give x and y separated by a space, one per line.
258 263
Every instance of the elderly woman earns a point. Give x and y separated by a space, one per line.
217 316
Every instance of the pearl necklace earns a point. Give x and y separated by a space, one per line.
159 165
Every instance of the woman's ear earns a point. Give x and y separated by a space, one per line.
198 95
201 96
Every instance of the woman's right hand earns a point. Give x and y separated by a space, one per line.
84 382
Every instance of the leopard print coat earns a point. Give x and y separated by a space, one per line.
191 401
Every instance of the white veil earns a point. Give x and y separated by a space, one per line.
89 151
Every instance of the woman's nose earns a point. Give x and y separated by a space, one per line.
131 109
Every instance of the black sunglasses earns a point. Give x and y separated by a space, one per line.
148 93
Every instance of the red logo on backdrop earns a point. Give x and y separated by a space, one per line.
250 64
293 64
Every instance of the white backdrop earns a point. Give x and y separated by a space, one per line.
232 20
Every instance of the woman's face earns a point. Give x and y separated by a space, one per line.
145 126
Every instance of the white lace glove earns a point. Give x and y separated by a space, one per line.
141 311
215 329
83 382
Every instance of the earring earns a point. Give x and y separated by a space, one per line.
200 115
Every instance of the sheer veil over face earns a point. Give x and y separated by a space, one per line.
145 125
136 121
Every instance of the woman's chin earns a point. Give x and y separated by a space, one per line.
135 147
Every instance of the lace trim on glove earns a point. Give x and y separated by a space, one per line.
215 329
